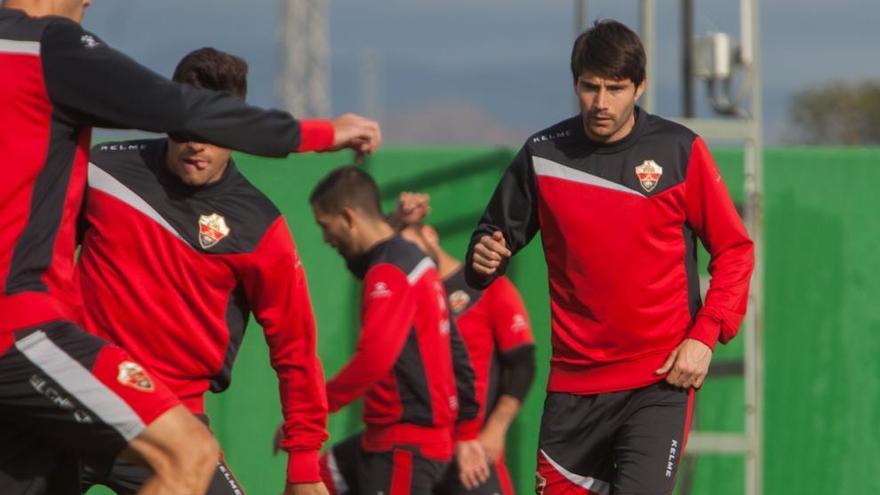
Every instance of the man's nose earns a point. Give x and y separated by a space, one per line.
601 98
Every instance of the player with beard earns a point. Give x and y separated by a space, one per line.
410 364
620 197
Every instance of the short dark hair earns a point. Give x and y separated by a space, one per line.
347 186
209 68
611 50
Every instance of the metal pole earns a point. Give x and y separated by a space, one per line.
580 25
647 27
687 34
580 17
755 215
304 83
370 94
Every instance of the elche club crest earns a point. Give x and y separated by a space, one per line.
133 375
458 301
649 174
212 229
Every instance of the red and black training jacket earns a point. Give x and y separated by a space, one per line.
57 82
495 328
410 363
172 273
619 225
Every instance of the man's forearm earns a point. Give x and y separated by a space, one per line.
503 414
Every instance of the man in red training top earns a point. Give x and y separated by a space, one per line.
179 249
620 197
63 390
495 328
403 363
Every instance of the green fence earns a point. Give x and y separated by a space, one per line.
822 322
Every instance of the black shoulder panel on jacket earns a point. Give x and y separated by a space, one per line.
400 252
229 216
653 139
16 26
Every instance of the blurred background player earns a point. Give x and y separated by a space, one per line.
403 362
178 250
61 388
620 197
495 328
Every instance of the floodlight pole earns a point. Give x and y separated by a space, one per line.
304 84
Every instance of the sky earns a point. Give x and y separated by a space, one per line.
493 63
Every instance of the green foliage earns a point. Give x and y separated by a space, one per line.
837 112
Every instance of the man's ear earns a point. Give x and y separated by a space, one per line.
640 89
349 216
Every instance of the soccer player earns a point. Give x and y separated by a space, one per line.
62 389
620 197
495 328
403 363
185 206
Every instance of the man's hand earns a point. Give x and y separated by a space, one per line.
492 440
358 133
687 364
489 252
305 489
473 470
411 208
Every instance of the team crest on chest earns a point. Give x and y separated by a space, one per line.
458 301
133 375
649 174
212 229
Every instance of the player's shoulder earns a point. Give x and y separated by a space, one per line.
117 148
112 154
60 32
559 134
49 31
502 283
404 256
15 25
663 129
252 194
502 288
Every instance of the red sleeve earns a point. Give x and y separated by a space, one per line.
510 321
279 297
386 320
711 213
315 135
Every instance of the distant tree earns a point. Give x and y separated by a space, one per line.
839 112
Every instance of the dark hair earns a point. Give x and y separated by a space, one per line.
611 50
350 187
208 68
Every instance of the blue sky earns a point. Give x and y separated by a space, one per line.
505 58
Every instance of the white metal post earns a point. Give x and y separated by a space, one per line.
304 85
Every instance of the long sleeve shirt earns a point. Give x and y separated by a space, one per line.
172 273
619 225
403 363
